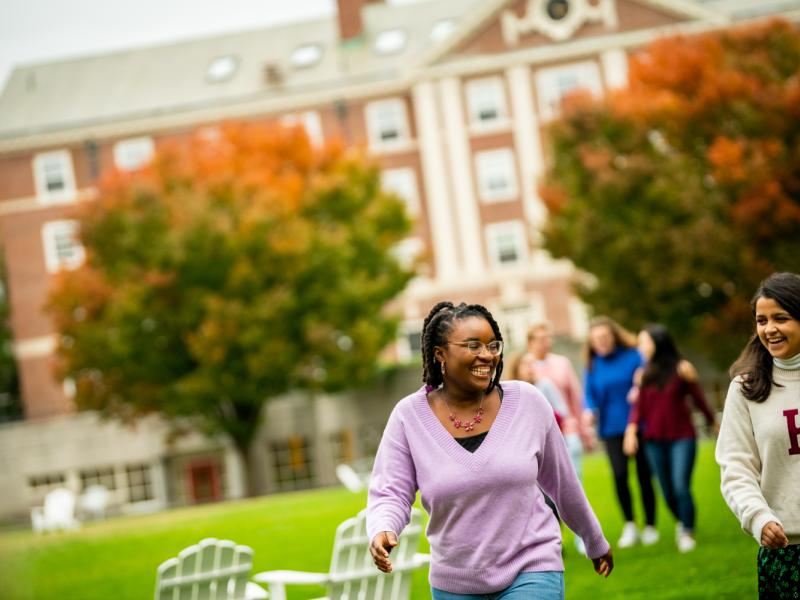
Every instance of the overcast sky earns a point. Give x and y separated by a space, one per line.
40 30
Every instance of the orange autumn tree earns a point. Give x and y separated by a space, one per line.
228 272
681 192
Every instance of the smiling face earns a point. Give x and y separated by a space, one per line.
601 339
470 372
777 329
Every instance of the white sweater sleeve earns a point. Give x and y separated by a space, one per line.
740 464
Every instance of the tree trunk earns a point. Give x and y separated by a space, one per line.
243 451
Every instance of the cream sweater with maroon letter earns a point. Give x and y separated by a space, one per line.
758 452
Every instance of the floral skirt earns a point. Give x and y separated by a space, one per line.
779 573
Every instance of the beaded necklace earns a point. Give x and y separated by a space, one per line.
465 425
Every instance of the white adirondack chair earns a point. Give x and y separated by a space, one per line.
211 570
349 478
353 575
94 502
58 511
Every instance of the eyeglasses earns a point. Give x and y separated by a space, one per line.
477 348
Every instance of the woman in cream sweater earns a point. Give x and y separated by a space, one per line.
758 449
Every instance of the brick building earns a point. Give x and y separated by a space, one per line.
450 96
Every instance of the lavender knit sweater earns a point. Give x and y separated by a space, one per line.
488 519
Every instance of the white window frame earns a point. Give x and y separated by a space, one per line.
387 115
442 29
310 121
133 153
403 182
491 165
305 56
222 68
486 93
403 346
56 259
553 83
390 41
62 160
515 229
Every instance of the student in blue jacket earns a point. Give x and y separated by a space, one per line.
611 364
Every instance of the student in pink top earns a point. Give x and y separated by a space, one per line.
559 370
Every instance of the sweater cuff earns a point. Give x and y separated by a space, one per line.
758 522
378 527
596 547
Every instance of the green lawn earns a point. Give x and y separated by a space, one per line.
118 558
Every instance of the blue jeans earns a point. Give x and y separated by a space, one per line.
541 585
673 462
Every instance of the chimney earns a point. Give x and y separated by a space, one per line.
351 26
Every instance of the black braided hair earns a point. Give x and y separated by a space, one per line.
438 324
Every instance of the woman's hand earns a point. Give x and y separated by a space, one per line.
630 443
603 565
773 536
380 547
633 395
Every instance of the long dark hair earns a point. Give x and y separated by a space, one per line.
754 364
438 324
663 365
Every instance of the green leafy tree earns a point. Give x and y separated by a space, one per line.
229 272
678 194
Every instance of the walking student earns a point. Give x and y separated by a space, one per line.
611 363
758 449
482 453
663 417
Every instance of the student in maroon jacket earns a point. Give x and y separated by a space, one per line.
663 416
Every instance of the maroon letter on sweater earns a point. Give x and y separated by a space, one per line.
794 430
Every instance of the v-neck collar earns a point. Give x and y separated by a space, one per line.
494 437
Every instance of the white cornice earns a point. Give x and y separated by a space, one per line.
487 10
465 28
559 52
160 121
28 204
37 347
153 123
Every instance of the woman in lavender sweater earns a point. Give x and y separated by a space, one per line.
480 453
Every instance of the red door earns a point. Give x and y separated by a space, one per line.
204 485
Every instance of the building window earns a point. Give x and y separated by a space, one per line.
486 101
506 243
554 83
293 463
54 176
306 56
403 183
222 69
442 29
497 178
140 486
103 476
387 124
134 153
390 41
342 446
41 484
309 121
62 249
